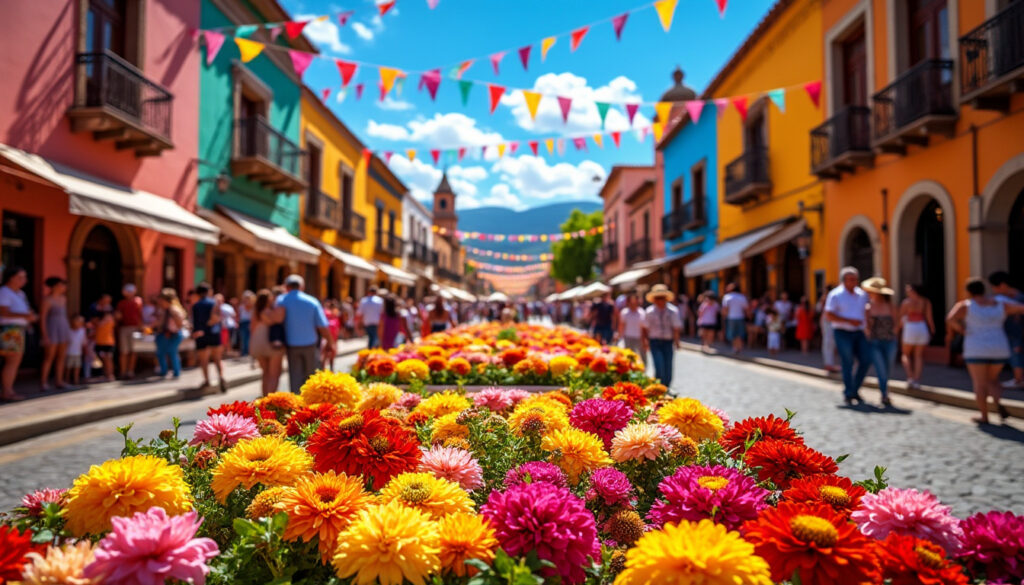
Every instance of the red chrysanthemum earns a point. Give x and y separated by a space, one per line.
241 408
380 366
599 365
512 356
14 547
814 542
623 365
838 492
437 363
907 560
366 444
757 428
310 414
783 462
628 392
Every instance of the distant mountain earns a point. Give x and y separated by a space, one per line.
536 220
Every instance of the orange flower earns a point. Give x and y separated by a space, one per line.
322 505
512 356
460 366
627 392
437 363
599 365
381 366
783 462
908 560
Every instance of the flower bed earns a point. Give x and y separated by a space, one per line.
366 483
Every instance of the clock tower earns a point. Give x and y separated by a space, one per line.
444 206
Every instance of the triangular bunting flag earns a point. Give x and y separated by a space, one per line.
533 146
779 97
463 68
576 37
344 16
214 41
300 61
617 138
462 153
580 143
294 29
483 152
545 46
565 104
367 155
383 7
721 7
431 80
246 30
602 110
513 146
631 112
399 84
666 9
599 140
411 154
495 91
659 129
249 49
663 109
560 146
618 23
501 150
532 100
524 56
550 145
275 32
387 77
740 103
464 87
387 156
347 70
359 91
436 155
325 94
383 92
694 107
432 4
496 60
721 104
813 89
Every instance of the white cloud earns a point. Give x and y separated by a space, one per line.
474 174
583 115
421 177
451 130
533 177
502 196
325 34
387 131
362 31
394 105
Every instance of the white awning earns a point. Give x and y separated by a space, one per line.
498 297
551 298
94 197
595 289
570 294
261 236
731 252
629 277
462 295
397 275
786 233
354 265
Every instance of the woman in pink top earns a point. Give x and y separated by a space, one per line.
707 319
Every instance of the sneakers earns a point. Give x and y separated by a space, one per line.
1013 384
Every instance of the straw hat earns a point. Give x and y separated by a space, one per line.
659 291
877 285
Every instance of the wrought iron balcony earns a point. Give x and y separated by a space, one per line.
919 103
447 274
420 252
353 225
842 143
992 60
679 220
265 155
322 210
746 177
610 253
389 243
114 101
638 251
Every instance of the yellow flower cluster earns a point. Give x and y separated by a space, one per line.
537 417
332 387
412 369
691 418
561 365
575 451
446 427
378 396
433 495
267 461
442 403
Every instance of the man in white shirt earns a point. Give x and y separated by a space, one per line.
846 308
631 325
662 325
736 305
370 309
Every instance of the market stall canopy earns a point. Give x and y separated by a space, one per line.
594 289
551 298
570 294
442 292
498 297
397 275
462 295
261 235
94 197
354 265
731 252
630 277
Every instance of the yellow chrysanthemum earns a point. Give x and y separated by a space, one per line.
694 553
638 442
388 544
267 461
430 350
63 565
561 365
322 505
412 369
435 496
539 417
122 487
575 451
691 418
464 536
446 427
442 403
379 396
285 402
264 503
548 400
334 387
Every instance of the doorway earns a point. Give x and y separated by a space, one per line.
1015 242
793 277
20 248
252 277
757 278
930 263
220 274
859 252
102 266
332 283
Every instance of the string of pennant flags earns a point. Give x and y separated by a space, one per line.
510 257
503 269
489 237
294 28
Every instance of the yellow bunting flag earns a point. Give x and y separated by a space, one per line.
411 154
658 128
663 109
546 45
249 49
550 144
387 78
599 140
666 9
532 101
501 150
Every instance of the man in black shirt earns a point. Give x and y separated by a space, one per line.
602 318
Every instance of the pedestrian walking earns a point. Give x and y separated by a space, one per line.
304 320
439 317
393 321
76 350
917 326
736 307
228 323
707 319
129 320
15 317
245 321
269 353
882 331
662 325
55 331
631 325
980 319
602 318
784 307
804 324
105 334
846 307
170 331
1014 326
370 308
206 318
828 338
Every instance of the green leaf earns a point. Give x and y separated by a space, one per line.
842 457
245 528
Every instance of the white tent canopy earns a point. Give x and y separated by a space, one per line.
570 294
498 297
630 277
594 289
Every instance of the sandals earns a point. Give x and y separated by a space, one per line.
12 398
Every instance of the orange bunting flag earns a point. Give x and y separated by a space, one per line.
545 46
463 68
617 138
411 153
249 49
659 129
576 37
666 9
663 110
599 140
387 78
501 150
383 7
740 103
496 92
532 100
550 145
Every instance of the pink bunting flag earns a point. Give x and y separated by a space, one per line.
560 143
387 156
513 147
496 91
383 90
383 7
631 112
813 89
576 37
721 104
293 29
721 7
643 133
359 90
533 146
300 61
344 16
694 108
325 94
618 23
496 60
436 155
347 71
432 4
462 153
580 143
275 32
740 103
565 104
214 41
431 80
524 56
617 138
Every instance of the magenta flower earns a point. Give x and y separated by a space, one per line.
549 520
409 400
601 417
150 548
224 430
454 464
610 487
39 498
536 471
908 511
720 493
993 544
496 399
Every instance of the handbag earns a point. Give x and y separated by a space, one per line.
276 335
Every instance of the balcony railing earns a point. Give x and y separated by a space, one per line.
420 252
266 155
610 253
353 225
992 60
389 243
746 177
322 210
638 251
918 103
842 143
447 274
679 220
114 101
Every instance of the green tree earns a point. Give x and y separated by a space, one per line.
575 257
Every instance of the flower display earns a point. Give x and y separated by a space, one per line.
639 441
781 462
265 502
224 430
906 560
282 403
335 388
838 492
993 545
364 443
908 511
321 506
537 417
412 369
378 396
495 399
691 418
34 502
756 429
715 492
455 465
433 495
561 365
246 409
389 544
442 403
15 547
267 461
601 417
534 471
447 426
626 392
60 565
463 536
575 451
310 415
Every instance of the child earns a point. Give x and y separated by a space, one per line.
773 322
105 340
76 347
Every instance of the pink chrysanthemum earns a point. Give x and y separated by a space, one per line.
993 543
908 511
535 471
671 434
549 520
601 417
454 464
726 421
151 548
610 487
496 399
409 400
718 493
224 430
35 501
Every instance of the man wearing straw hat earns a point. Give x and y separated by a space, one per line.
662 325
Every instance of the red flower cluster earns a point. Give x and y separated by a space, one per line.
907 560
437 363
838 492
366 443
783 462
599 365
240 408
310 414
757 428
14 546
512 356
628 392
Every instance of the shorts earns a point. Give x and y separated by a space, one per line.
125 339
735 329
208 340
916 333
73 361
1017 357
12 339
986 361
105 350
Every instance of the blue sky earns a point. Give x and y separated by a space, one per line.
413 37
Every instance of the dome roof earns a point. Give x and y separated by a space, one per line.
678 92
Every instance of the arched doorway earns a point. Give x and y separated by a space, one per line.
102 266
793 278
332 283
859 253
757 277
1015 242
996 236
930 262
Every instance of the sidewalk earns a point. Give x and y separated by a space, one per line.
56 410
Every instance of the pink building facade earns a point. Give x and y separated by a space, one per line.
632 219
